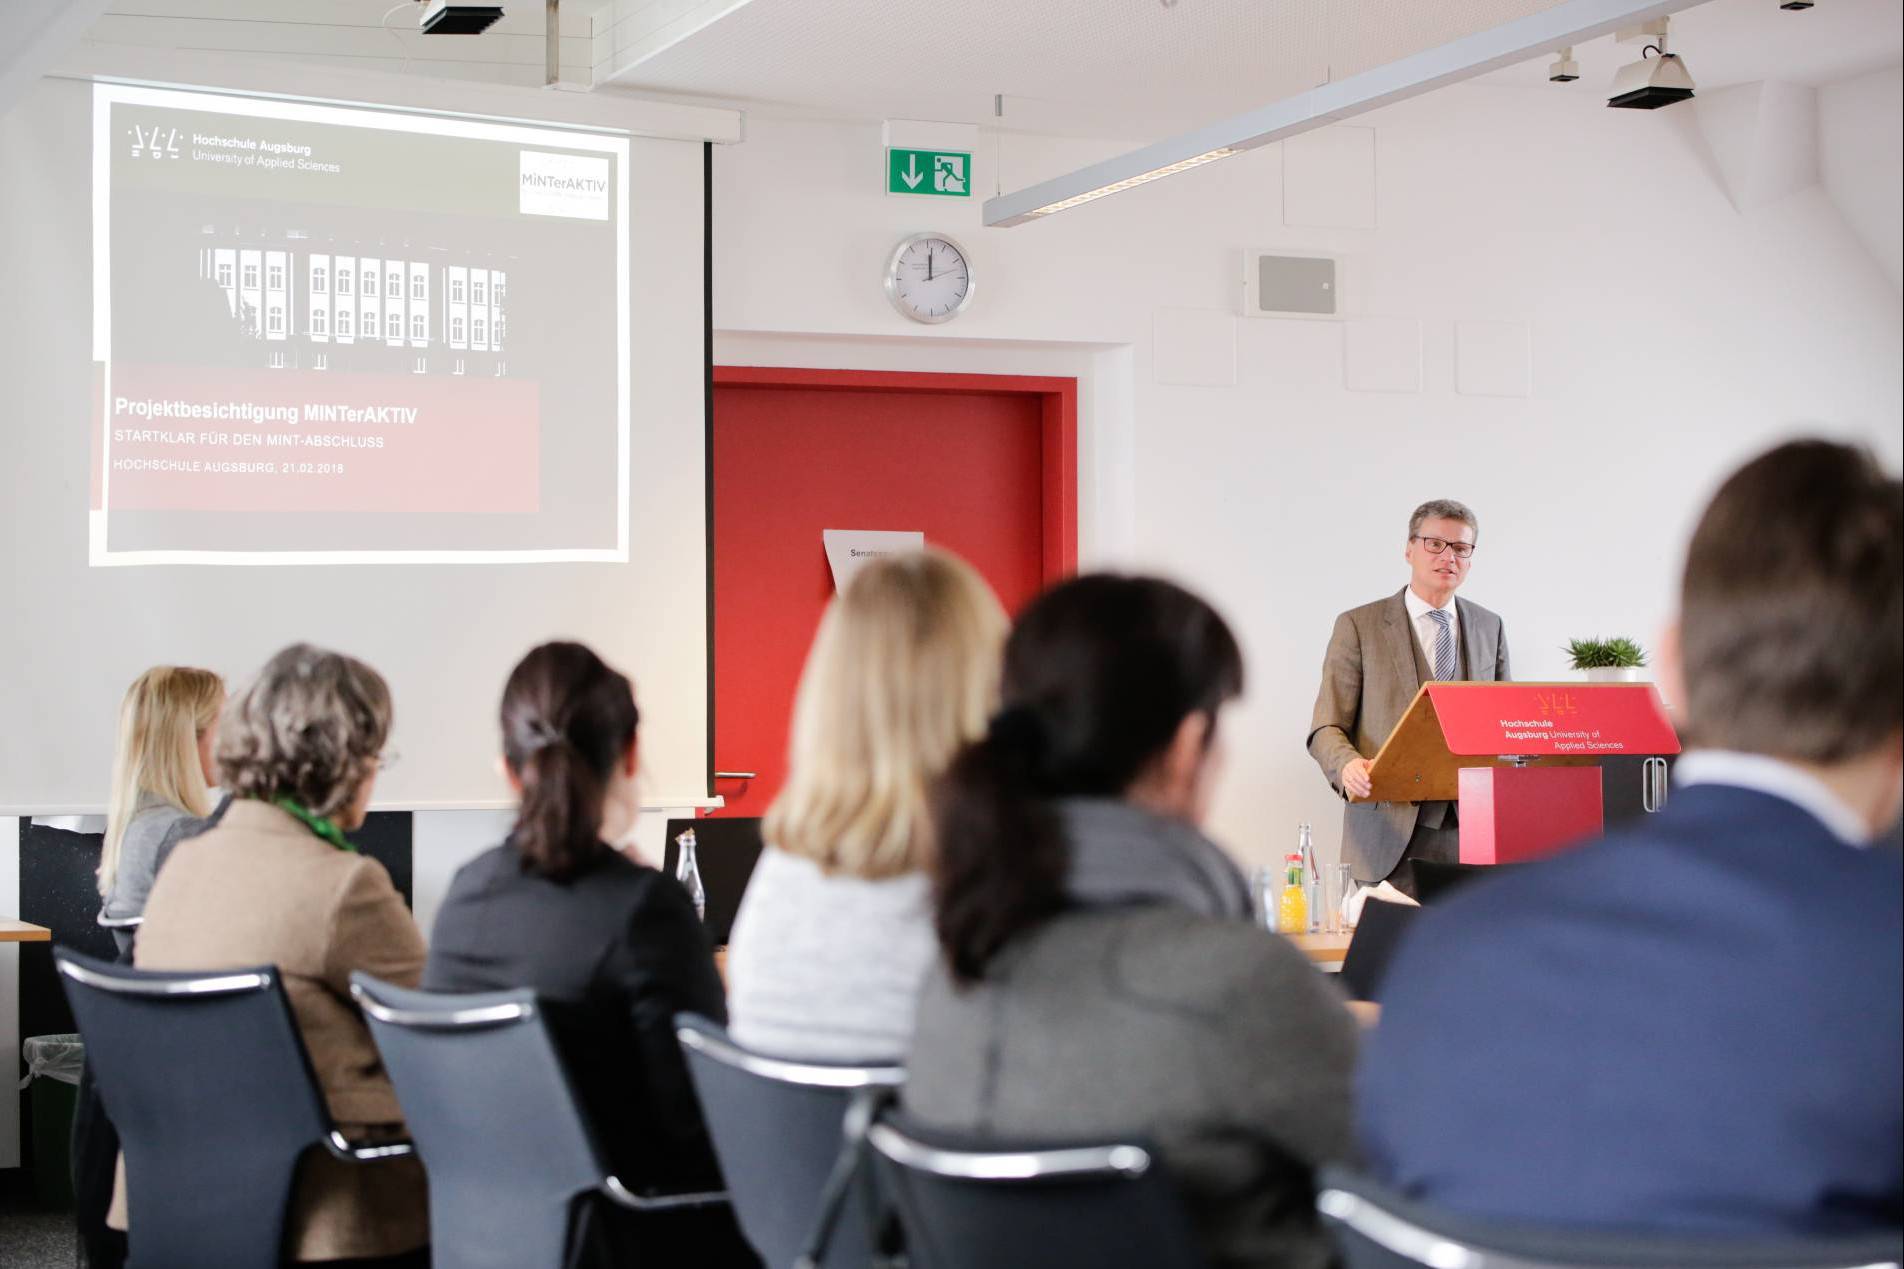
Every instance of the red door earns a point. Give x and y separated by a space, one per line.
984 465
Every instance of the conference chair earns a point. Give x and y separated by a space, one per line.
514 1169
783 1131
208 1082
1373 946
1378 1229
1029 1205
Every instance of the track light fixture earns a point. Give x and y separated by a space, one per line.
1658 79
1563 69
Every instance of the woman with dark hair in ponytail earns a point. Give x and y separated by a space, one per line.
611 947
1099 974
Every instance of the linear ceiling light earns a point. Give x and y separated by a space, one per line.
1116 187
1570 22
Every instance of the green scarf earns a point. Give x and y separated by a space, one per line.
316 823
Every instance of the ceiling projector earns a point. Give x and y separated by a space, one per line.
447 17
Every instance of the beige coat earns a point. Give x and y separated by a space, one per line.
1370 674
261 888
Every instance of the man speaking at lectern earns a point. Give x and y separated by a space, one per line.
1378 658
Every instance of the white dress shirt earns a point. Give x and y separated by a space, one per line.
1763 774
1427 629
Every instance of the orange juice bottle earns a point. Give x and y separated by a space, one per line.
1292 909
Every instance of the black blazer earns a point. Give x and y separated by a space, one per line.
613 953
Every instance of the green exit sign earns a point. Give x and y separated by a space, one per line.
936 173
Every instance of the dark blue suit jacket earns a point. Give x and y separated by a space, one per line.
1695 1027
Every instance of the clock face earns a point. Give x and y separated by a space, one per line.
929 278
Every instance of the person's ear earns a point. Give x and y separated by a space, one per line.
1670 671
630 760
1183 761
508 773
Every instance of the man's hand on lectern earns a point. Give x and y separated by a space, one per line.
1355 778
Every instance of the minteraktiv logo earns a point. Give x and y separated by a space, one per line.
572 185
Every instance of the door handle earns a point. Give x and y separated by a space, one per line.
1653 785
734 775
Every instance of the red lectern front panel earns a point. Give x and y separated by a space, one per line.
1512 814
1561 720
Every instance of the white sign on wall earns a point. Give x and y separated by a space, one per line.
850 550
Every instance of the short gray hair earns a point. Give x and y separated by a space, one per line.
310 727
1443 509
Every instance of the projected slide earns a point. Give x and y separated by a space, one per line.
326 334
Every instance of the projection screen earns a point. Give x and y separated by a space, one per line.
426 387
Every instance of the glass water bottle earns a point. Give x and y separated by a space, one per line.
687 871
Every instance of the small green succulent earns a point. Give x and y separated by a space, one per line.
1595 654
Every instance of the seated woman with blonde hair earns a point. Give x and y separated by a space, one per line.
162 773
278 883
834 933
161 769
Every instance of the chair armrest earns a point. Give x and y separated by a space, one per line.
340 1148
625 1197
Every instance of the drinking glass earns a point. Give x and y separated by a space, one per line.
1341 888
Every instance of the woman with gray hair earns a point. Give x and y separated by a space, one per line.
277 882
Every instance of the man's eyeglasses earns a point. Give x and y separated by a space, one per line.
1462 550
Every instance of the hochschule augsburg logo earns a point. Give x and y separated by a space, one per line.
154 142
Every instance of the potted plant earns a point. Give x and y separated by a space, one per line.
1608 660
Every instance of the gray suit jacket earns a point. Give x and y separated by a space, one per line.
1371 672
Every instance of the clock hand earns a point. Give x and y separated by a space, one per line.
928 266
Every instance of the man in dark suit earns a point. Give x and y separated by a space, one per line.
1378 658
1694 1026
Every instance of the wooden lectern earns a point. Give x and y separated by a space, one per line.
1520 759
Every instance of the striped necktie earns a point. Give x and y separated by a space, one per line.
1444 642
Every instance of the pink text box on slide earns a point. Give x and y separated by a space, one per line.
474 445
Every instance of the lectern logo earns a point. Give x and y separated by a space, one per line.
1556 704
154 142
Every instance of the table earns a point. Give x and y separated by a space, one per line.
12 931
1325 951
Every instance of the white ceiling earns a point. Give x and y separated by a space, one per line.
1125 69
366 34
1108 68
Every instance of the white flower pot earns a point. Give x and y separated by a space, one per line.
1617 674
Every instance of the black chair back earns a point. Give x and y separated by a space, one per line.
1373 945
749 1100
1378 1229
496 1124
208 1082
1029 1205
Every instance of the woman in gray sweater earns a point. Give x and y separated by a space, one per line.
1099 975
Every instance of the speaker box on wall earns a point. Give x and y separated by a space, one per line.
1286 285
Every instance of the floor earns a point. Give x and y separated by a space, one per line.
32 1236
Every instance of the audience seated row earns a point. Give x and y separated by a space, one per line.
989 865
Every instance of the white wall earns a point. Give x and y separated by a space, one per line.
1861 153
1671 336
